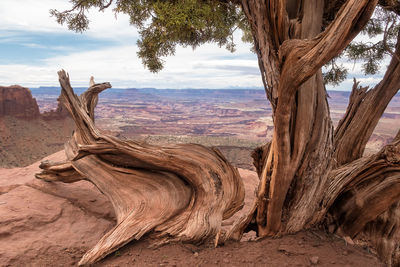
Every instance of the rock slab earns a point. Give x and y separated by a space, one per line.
39 219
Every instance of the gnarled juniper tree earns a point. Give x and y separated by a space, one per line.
310 173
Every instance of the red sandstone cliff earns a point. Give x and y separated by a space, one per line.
59 113
26 135
17 101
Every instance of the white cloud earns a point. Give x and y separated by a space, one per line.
120 66
206 67
30 15
34 16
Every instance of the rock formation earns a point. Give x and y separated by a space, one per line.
26 135
59 113
18 102
38 218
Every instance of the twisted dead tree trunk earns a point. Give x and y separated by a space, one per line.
179 193
363 198
303 179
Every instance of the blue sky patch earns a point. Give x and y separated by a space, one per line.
21 47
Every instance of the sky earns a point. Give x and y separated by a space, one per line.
33 47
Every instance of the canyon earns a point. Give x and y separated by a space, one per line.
234 120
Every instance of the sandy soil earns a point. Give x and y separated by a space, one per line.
302 249
310 248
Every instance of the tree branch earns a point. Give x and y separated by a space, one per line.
385 36
364 197
363 113
300 59
106 5
268 24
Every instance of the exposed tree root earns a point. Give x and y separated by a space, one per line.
384 234
363 197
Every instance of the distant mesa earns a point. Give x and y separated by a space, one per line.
26 135
17 101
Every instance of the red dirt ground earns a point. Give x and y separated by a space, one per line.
310 248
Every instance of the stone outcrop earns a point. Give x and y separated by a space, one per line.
17 101
60 113
26 135
38 219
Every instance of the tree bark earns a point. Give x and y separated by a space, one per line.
363 198
384 234
294 174
300 182
363 189
179 193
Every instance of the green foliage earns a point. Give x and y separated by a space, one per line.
187 23
164 24
336 74
382 31
76 18
76 21
385 25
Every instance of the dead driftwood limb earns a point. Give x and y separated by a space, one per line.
178 193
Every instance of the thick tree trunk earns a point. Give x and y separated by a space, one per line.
301 122
294 173
297 169
180 193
